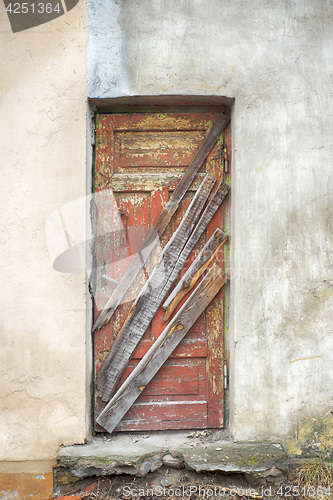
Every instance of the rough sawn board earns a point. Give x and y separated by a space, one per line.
151 297
197 268
160 225
162 348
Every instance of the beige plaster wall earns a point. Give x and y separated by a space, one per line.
43 166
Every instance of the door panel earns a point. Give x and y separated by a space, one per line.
140 158
165 415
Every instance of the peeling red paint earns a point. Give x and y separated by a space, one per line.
142 157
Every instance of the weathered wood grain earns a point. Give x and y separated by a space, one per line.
197 268
167 415
161 349
211 208
150 297
143 182
160 225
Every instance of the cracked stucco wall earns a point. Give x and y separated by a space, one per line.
43 166
275 59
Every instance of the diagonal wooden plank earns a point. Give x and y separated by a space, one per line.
197 268
150 297
219 195
161 349
160 225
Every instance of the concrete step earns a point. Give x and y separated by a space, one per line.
138 454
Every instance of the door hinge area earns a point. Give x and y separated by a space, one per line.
225 375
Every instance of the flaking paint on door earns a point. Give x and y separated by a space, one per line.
140 158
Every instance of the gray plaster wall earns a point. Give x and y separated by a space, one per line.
275 59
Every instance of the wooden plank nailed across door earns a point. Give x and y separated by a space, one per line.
161 349
141 158
192 275
163 220
216 200
150 297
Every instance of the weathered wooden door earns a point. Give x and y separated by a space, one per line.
140 158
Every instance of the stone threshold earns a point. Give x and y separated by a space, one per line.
138 454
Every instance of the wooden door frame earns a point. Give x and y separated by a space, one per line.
153 104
